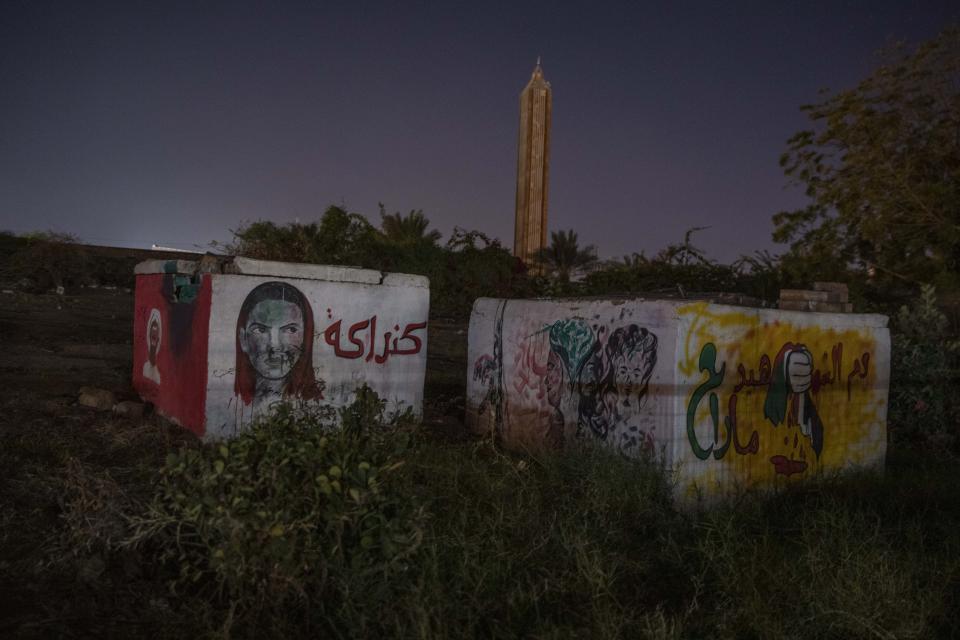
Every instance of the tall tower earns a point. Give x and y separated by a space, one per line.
533 164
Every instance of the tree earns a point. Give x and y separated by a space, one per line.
881 166
564 257
338 238
410 229
685 253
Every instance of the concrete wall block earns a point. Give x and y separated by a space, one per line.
545 372
728 396
796 395
405 280
225 356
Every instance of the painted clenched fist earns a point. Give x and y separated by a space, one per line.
799 370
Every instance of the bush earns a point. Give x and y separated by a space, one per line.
923 373
46 260
470 265
287 521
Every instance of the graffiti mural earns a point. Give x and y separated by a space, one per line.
726 396
221 349
771 398
170 345
311 343
151 370
556 379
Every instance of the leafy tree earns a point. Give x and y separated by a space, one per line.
564 257
685 253
410 229
684 269
881 166
338 238
469 266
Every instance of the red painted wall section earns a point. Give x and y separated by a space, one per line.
170 336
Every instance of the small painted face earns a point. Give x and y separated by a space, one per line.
154 338
273 338
629 373
553 381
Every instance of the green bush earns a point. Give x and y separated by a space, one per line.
470 265
923 374
286 521
46 260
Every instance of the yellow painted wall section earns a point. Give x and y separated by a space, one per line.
771 397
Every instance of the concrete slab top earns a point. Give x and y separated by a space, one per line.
250 267
185 267
675 307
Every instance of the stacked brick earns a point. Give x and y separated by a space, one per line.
829 297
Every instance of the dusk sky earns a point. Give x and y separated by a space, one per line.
137 123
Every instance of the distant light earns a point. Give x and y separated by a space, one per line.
157 247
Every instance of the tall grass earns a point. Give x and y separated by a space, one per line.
577 544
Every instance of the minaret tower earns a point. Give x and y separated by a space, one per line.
533 164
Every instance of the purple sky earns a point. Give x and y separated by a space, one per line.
139 123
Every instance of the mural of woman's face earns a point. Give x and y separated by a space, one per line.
154 341
553 381
273 338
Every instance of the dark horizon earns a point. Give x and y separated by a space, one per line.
136 124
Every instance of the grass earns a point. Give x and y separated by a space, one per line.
579 544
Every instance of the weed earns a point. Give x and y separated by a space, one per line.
287 520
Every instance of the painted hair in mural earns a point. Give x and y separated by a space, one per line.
275 345
618 376
154 338
571 376
571 343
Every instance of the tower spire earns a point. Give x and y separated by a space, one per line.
533 163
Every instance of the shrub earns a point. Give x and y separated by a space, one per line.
47 260
922 373
289 518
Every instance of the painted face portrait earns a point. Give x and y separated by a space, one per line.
622 372
154 339
274 344
632 352
272 338
631 372
553 380
154 335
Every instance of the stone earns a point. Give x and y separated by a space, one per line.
99 399
55 405
815 305
129 409
803 295
830 286
836 291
